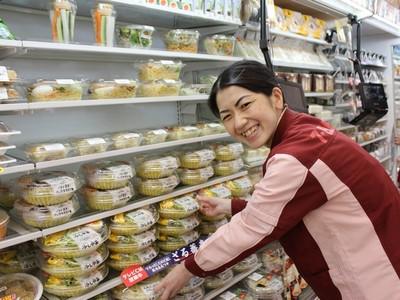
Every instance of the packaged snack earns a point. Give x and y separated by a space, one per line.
10 94
47 151
120 261
197 176
154 136
178 227
118 88
236 293
182 40
178 208
134 222
51 215
107 199
122 140
195 294
158 168
18 259
131 243
207 228
53 90
106 175
219 191
240 187
197 159
170 243
227 152
225 168
157 187
62 18
139 36
104 16
160 88
160 69
74 286
182 132
20 286
143 290
220 45
72 267
85 146
210 128
7 75
48 188
294 20
264 286
75 242
7 196
5 32
218 281
246 264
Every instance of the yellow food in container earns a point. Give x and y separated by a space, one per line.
197 159
197 176
85 146
240 187
160 88
131 243
178 227
182 132
228 152
225 168
154 136
218 281
118 88
170 243
163 69
143 290
124 140
219 44
39 152
62 89
157 187
178 208
209 227
246 264
158 168
210 128
120 261
18 259
134 222
7 196
182 40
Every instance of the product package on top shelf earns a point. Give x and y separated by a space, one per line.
62 19
104 17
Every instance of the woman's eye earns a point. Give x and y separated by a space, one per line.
226 117
245 105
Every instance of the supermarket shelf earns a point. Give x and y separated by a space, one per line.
373 141
319 95
18 167
102 102
214 293
17 234
384 159
293 65
112 153
10 43
374 66
345 127
378 25
101 288
297 36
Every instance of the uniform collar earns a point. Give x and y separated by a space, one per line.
286 119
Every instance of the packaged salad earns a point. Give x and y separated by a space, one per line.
114 89
143 290
18 259
134 222
157 187
160 88
157 167
39 152
227 151
85 146
53 90
178 227
20 286
197 159
225 168
137 36
161 69
120 261
178 208
122 140
170 243
220 45
154 136
131 243
182 40
218 281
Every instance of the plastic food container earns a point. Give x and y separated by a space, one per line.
182 132
158 168
219 45
240 187
227 152
252 156
141 291
134 222
107 199
20 258
207 228
62 19
84 146
160 88
305 81
118 88
72 267
131 243
154 136
218 281
178 208
76 242
10 94
225 168
329 83
108 174
74 286
137 36
192 286
236 293
264 286
197 176
318 83
4 219
122 140
161 69
170 243
7 75
52 215
103 16
247 264
53 90
7 196
195 294
177 227
210 128
182 40
47 151
20 286
219 191
157 187
120 261
197 159
48 188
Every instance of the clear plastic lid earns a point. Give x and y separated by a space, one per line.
240 187
47 151
225 168
170 243
197 159
120 261
7 75
193 283
154 136
219 44
59 89
141 291
106 175
210 128
160 88
236 293
131 243
182 40
219 191
157 187
107 199
135 36
246 264
178 227
48 188
134 222
196 176
11 94
105 9
182 132
226 152
177 208
20 258
20 286
157 168
194 294
214 282
114 89
208 227
160 69
122 140
264 286
84 146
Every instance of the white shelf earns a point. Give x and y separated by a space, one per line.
112 153
373 141
345 127
319 95
102 102
17 234
214 293
10 43
312 67
295 36
17 167
338 81
384 159
374 66
378 25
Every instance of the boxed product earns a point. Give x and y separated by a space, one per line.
225 168
53 90
47 151
120 261
85 146
20 285
161 69
182 132
137 36
18 259
227 152
48 188
118 88
240 187
218 281
131 243
154 136
196 176
157 168
134 222
209 227
104 16
157 187
62 18
220 45
143 290
246 264
170 243
106 175
177 227
160 88
178 208
197 159
122 140
210 128
182 40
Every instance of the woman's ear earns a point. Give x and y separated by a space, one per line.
277 98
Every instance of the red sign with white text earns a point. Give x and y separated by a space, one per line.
133 274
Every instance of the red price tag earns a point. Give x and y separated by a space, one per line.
133 274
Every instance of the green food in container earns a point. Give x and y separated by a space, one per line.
135 36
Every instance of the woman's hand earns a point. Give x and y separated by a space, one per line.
173 282
211 206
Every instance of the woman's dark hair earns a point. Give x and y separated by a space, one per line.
248 74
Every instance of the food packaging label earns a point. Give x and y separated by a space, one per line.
205 155
188 203
92 280
228 295
4 74
243 183
146 239
195 295
256 276
61 210
167 62
147 255
159 132
95 141
89 262
190 237
169 182
121 195
61 184
121 172
194 282
236 148
65 81
131 135
251 260
148 290
54 147
85 238
226 275
206 172
221 191
188 223
122 81
214 125
169 81
143 218
168 163
3 93
189 128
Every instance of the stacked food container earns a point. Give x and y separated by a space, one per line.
228 160
196 166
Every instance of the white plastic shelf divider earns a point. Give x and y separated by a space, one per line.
17 234
112 153
293 65
17 167
374 66
373 141
384 159
291 35
317 94
10 43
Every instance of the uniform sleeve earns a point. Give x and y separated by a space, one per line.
279 202
237 205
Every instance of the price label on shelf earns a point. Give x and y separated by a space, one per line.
86 238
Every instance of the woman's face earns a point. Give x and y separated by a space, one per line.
250 117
